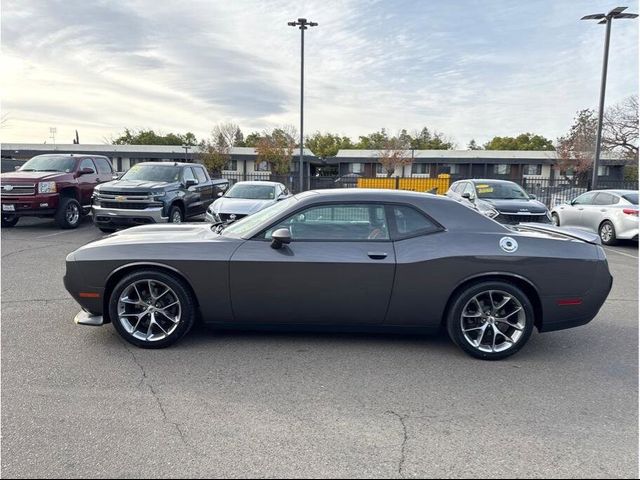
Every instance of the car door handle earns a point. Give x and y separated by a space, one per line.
377 255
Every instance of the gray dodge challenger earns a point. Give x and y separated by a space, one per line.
348 259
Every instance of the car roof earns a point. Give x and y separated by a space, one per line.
617 191
487 180
368 194
73 155
258 182
170 164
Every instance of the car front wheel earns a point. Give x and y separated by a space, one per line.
491 320
555 219
152 309
9 220
69 213
175 215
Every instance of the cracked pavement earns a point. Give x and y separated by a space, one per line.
80 402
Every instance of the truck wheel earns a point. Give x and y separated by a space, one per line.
9 221
69 213
175 215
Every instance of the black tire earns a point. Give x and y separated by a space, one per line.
69 213
187 305
106 230
607 233
555 219
174 213
9 221
455 321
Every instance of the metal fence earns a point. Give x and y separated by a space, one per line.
549 191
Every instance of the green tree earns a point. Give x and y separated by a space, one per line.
524 141
326 145
216 151
373 141
473 145
252 139
277 149
426 140
149 137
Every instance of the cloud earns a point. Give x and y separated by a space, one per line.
470 69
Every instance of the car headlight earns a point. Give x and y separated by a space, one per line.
158 193
47 187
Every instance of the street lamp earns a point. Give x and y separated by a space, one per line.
186 149
605 19
303 24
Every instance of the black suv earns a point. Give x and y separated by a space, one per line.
154 192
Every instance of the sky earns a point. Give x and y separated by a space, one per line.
471 69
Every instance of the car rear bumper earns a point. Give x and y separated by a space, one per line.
127 217
627 227
32 205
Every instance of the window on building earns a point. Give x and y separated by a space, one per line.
380 169
603 171
420 168
502 169
533 169
261 166
232 165
356 167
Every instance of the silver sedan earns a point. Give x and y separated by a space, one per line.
611 213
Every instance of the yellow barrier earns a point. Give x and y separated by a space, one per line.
440 184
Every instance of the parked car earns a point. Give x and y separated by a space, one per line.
613 214
154 192
245 198
350 180
56 186
504 201
380 260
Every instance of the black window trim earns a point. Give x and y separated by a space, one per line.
95 168
396 236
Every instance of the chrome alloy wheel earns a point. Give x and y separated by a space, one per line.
606 232
72 213
149 310
176 217
493 321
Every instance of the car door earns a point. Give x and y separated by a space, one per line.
87 182
337 270
205 186
603 206
192 200
571 213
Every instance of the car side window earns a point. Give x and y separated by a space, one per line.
342 222
585 199
104 166
187 174
410 222
470 189
87 163
202 176
604 198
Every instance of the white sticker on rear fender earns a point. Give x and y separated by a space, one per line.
508 244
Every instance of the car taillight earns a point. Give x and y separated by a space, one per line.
630 211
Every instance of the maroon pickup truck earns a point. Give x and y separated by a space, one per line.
57 186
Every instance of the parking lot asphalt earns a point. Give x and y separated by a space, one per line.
80 402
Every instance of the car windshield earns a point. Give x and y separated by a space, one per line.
153 173
252 192
631 198
49 163
247 224
500 191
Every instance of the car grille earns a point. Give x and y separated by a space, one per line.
127 205
12 189
514 218
124 194
225 217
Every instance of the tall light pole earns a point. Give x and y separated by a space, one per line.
303 24
186 150
605 19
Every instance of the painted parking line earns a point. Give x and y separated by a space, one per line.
620 253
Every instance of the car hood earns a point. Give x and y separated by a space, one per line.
515 206
134 185
239 206
19 177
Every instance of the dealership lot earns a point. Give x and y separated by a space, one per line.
79 401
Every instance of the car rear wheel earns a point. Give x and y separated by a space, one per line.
555 219
491 320
608 233
69 213
152 309
9 221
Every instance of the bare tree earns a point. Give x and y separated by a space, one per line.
394 154
620 128
216 151
576 149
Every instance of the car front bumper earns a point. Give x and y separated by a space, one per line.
127 217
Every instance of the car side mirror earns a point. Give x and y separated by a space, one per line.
532 197
189 183
85 171
468 196
17 167
220 194
280 237
115 176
